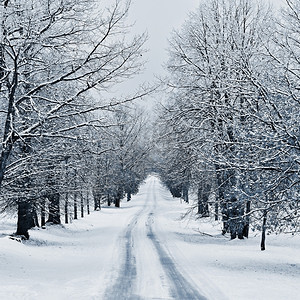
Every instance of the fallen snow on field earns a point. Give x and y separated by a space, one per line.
145 251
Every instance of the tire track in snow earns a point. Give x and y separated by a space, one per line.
181 289
125 283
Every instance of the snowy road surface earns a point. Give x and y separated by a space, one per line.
143 250
160 278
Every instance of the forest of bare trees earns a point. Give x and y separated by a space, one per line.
230 125
67 145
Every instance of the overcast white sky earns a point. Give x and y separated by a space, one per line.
158 18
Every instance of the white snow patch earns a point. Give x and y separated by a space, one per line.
80 260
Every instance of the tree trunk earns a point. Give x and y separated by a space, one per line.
221 197
81 205
87 203
35 218
235 214
97 204
67 208
241 232
117 201
25 218
185 193
4 158
199 202
224 217
203 195
43 212
128 196
263 232
175 191
240 220
119 197
247 220
8 136
216 211
233 234
54 209
108 200
3 68
75 206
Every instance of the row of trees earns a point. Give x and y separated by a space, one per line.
65 141
231 124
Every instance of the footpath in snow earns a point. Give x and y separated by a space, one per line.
145 251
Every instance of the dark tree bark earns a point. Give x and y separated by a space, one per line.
43 212
119 197
26 206
97 204
128 196
117 201
240 220
54 209
35 218
203 195
87 203
235 214
25 218
81 205
108 200
221 197
8 137
4 159
67 208
216 211
75 206
185 193
247 220
175 191
263 232
225 217
232 210
2 66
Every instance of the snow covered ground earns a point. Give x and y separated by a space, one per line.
144 251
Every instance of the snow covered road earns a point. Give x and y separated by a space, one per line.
144 251
160 279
